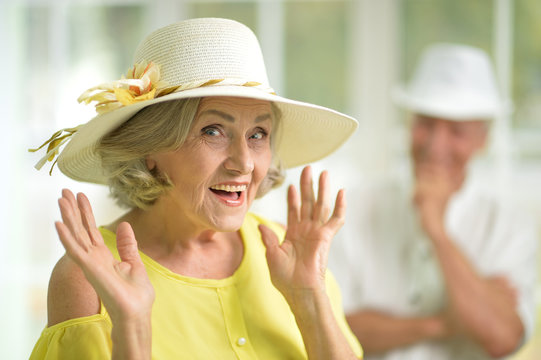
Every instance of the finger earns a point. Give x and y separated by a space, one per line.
86 211
307 193
68 195
270 240
73 223
499 281
87 216
322 208
126 244
293 205
502 285
71 216
339 214
273 251
71 245
507 287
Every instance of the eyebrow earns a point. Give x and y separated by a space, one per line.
230 118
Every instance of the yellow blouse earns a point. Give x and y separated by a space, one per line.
239 317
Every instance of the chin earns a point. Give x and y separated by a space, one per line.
229 222
229 226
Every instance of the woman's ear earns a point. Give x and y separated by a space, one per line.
150 162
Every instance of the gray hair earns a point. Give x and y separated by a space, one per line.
158 128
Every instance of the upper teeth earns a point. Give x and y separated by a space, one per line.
229 188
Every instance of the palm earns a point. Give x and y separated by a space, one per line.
123 285
301 260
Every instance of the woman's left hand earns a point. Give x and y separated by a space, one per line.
300 262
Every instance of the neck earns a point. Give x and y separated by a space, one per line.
169 230
171 239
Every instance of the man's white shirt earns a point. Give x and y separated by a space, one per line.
383 260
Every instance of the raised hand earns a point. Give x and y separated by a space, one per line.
300 262
434 187
123 286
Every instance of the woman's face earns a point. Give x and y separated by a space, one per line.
218 169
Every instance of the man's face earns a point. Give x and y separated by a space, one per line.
445 146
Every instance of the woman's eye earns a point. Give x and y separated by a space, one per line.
259 134
211 131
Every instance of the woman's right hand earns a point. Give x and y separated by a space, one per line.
123 286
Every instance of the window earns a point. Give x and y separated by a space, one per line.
343 54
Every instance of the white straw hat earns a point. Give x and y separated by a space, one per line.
196 58
452 81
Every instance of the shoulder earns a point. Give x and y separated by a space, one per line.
70 295
500 211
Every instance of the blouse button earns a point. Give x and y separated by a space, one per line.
241 341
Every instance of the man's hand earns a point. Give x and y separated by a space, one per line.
434 187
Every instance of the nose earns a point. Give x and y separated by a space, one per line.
239 158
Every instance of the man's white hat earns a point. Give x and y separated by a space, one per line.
454 82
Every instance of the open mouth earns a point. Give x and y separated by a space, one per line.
229 193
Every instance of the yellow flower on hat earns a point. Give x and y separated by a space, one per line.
141 83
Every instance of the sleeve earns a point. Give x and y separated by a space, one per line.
515 255
333 291
523 272
86 338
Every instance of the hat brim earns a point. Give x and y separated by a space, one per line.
308 132
444 106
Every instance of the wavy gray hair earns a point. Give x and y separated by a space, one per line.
158 128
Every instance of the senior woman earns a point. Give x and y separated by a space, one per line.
187 141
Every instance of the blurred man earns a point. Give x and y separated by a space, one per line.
439 269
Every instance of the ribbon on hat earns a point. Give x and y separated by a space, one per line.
141 83
54 142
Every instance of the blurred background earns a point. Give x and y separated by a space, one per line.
346 55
